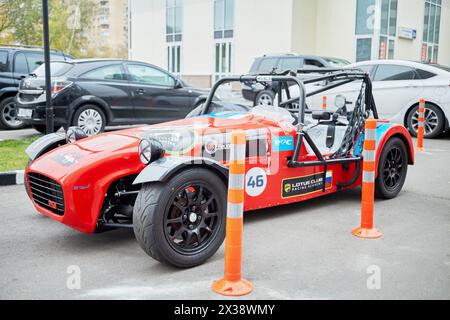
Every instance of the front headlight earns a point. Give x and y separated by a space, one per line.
150 150
74 134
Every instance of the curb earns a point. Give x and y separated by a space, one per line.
11 178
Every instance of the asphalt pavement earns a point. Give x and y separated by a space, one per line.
300 251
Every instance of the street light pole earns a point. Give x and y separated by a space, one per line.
48 80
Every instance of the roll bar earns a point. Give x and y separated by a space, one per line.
337 77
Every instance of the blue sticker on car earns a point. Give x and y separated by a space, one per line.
280 144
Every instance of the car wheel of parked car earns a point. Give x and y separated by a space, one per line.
181 222
265 98
434 121
42 128
8 115
90 118
392 169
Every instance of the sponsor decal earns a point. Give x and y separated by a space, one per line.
52 204
212 146
255 182
313 183
280 144
67 159
76 188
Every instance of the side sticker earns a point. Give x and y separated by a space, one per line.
298 186
255 182
280 144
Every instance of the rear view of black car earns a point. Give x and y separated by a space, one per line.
92 94
16 62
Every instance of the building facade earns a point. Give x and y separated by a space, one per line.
202 40
108 34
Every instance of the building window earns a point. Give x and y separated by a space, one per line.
174 58
388 29
363 49
223 19
174 20
223 35
431 30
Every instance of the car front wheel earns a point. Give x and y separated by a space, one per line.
8 115
434 121
181 222
265 98
392 169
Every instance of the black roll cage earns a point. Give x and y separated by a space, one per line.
334 78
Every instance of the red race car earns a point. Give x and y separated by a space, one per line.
169 181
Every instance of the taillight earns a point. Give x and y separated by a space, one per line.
58 86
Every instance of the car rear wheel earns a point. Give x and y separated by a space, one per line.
434 121
181 222
392 169
265 98
90 119
8 115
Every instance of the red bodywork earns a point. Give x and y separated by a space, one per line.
86 169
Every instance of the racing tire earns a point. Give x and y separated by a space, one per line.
265 97
42 128
90 118
434 121
392 169
8 114
176 223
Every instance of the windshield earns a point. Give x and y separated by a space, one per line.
57 69
334 62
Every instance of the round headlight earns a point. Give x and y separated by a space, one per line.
340 101
150 150
74 134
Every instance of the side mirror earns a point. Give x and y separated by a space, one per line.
178 84
321 115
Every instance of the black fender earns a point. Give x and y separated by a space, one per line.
8 92
45 144
163 169
89 99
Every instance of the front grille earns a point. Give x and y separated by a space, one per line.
47 193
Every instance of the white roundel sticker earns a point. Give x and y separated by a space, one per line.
255 182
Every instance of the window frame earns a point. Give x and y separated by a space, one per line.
375 71
124 72
14 62
431 52
127 64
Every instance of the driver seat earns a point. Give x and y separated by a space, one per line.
327 137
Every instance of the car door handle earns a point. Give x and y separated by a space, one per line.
140 91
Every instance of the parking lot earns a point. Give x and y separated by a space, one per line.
301 251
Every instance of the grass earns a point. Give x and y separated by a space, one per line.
12 153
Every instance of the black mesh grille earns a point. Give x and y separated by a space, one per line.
47 193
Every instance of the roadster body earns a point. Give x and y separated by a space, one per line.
172 188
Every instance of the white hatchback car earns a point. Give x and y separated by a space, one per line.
398 87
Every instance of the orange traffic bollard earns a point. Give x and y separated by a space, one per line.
324 102
366 230
232 284
421 126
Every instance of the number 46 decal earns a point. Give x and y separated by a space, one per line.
255 182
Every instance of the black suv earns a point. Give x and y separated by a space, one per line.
15 64
91 94
280 63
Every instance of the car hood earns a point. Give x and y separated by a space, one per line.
186 137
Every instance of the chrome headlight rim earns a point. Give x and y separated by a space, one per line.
74 134
150 150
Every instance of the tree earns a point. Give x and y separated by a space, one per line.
23 19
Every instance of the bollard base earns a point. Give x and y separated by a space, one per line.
367 233
420 149
232 288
